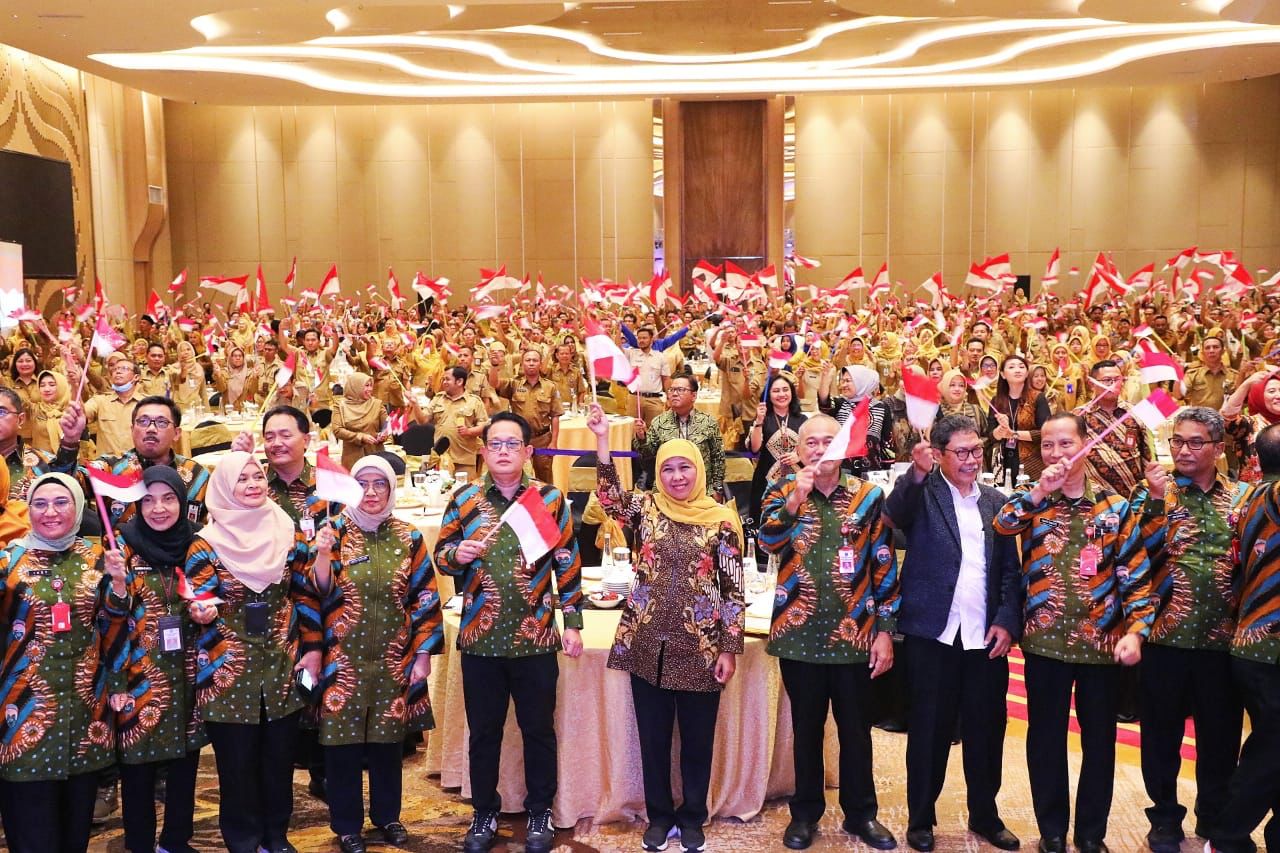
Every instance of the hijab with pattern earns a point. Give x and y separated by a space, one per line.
371 521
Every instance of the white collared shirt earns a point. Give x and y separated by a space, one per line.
969 604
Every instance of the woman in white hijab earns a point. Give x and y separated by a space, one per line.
253 568
859 383
382 623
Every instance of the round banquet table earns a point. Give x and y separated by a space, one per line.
574 435
599 750
235 423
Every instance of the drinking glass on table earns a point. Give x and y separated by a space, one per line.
622 558
420 481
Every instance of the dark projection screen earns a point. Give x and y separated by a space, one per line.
36 211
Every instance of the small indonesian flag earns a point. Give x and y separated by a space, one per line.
106 340
224 285
923 398
285 373
768 277
331 286
851 439
750 339
292 276
178 283
879 284
1142 330
1051 270
803 262
155 308
1180 260
186 324
99 295
261 303
335 483
84 312
378 363
778 359
393 287
126 486
853 281
185 591
607 361
1157 366
533 524
1155 410
27 314
488 311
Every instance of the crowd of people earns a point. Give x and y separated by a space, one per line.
234 607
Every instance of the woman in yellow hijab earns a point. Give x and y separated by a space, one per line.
53 395
682 624
359 419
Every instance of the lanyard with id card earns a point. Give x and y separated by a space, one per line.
169 625
60 612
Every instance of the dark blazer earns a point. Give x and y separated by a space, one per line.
925 513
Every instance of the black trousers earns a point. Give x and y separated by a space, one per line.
255 781
49 817
846 690
1049 682
657 710
138 802
1174 682
946 684
344 766
488 686
1255 787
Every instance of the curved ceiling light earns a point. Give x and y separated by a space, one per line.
831 69
186 61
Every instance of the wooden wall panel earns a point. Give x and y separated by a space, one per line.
724 191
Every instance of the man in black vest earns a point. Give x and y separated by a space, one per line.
961 609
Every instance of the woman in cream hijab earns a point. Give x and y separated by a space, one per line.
359 419
254 569
235 380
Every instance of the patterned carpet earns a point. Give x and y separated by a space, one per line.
437 819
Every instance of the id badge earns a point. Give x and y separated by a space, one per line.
308 526
848 561
61 612
1130 440
1089 558
169 628
1011 443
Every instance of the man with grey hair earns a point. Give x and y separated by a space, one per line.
1187 525
961 609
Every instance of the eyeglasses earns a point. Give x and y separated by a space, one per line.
511 444
378 487
5 412
147 423
1195 444
680 390
963 453
59 504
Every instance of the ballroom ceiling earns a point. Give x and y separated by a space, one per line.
380 51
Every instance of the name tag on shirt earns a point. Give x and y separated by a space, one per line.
61 613
307 525
1090 556
848 561
169 629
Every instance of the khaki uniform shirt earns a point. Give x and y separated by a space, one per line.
451 414
538 404
571 383
114 419
1209 388
158 383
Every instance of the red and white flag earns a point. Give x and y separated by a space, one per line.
803 262
659 292
393 287
853 281
980 278
1051 270
923 397
227 286
185 591
778 359
261 303
750 339
285 373
1155 410
292 277
768 278
331 286
735 281
487 310
1142 330
938 296
178 283
1180 260
431 288
533 524
126 486
99 295
851 439
1157 366
335 483
708 274
879 284
606 359
155 307
1236 281
106 339
1141 279
378 363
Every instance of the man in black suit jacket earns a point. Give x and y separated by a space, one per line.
961 609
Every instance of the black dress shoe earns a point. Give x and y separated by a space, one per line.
920 839
1098 846
1001 838
1165 839
798 835
394 833
318 789
872 833
352 844
1057 844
